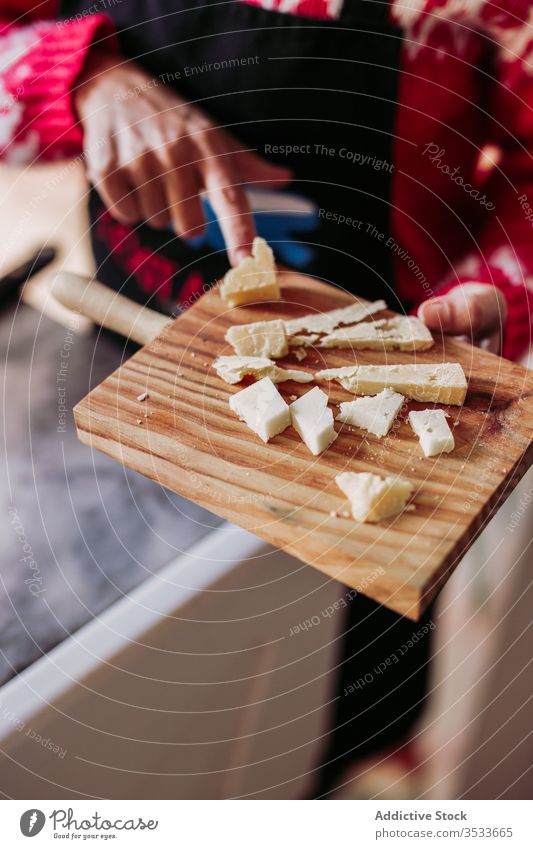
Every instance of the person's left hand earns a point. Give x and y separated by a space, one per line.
476 311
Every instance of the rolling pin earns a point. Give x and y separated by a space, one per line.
108 308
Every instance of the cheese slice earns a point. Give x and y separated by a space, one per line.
432 430
444 383
234 369
401 332
313 420
260 339
302 340
373 498
374 413
262 408
254 279
326 322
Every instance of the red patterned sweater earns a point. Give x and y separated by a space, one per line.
463 157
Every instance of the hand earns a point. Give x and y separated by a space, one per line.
149 153
476 311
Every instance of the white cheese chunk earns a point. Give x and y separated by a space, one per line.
303 340
260 339
234 369
313 420
444 383
373 413
373 498
401 332
433 431
326 322
262 408
254 279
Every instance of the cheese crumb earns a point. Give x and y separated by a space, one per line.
143 396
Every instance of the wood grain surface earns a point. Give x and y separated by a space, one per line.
191 443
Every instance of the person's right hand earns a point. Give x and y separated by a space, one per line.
149 154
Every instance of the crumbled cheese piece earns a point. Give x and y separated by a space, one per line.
444 383
254 279
262 408
300 354
432 430
234 369
260 339
325 322
401 332
373 498
373 413
143 396
302 341
313 420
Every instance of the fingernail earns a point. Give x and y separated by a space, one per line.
437 311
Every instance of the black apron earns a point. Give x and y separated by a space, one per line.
277 82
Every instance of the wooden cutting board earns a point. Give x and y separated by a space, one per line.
193 444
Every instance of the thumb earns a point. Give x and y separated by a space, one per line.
254 169
472 309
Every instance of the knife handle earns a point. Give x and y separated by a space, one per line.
107 308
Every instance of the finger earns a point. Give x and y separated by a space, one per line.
120 197
473 308
254 169
232 209
492 343
182 187
151 194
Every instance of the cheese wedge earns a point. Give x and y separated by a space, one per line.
444 383
313 420
326 322
432 430
374 413
260 339
254 279
373 498
401 332
234 369
262 408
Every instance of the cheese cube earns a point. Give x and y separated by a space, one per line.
262 408
444 383
260 339
254 279
401 332
313 420
373 413
432 430
373 498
